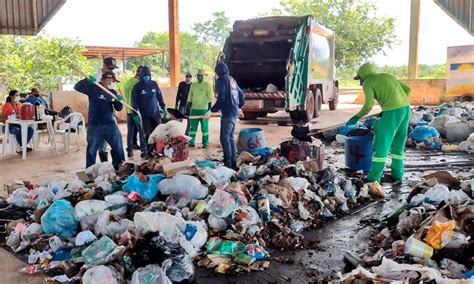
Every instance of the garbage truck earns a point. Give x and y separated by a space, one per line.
460 73
283 63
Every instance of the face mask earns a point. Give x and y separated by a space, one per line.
146 78
110 86
361 82
200 78
17 99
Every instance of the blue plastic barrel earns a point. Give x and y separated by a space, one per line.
251 140
359 152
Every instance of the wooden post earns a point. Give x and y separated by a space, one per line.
173 19
413 47
123 61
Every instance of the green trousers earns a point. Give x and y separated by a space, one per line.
390 136
194 124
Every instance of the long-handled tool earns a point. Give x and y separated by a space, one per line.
115 97
179 115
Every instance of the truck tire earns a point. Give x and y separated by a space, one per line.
250 115
334 101
318 98
307 114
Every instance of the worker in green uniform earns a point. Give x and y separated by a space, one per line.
392 127
133 127
199 103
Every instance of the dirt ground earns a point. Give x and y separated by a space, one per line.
42 165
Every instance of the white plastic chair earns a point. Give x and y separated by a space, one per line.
76 123
9 144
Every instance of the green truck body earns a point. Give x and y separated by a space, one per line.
282 63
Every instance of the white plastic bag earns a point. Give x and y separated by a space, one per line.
100 169
102 274
216 223
304 213
85 237
90 207
437 193
162 222
150 274
222 204
183 186
115 199
222 175
417 199
457 197
297 183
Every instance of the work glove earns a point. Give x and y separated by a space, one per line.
136 119
353 120
165 112
119 98
91 79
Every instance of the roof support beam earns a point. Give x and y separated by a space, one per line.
173 19
413 47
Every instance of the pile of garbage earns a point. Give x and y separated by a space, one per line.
429 238
449 127
157 220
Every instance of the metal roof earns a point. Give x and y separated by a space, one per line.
26 17
462 11
120 52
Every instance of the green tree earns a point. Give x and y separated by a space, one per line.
213 31
432 71
360 32
27 62
194 55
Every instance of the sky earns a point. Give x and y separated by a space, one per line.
121 23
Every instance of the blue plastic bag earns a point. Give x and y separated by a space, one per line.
60 219
422 133
345 129
370 122
206 164
147 190
265 152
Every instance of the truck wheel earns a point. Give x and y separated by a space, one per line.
250 115
304 115
262 114
333 102
318 98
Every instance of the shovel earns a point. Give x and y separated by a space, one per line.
113 96
179 115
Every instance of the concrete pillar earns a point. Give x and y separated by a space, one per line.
413 48
173 19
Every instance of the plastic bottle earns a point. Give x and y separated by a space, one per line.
263 206
199 208
34 268
225 247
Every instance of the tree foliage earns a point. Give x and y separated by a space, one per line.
360 32
401 72
27 62
213 31
194 55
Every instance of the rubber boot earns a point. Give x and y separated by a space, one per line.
103 157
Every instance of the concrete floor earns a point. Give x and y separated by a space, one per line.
43 166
